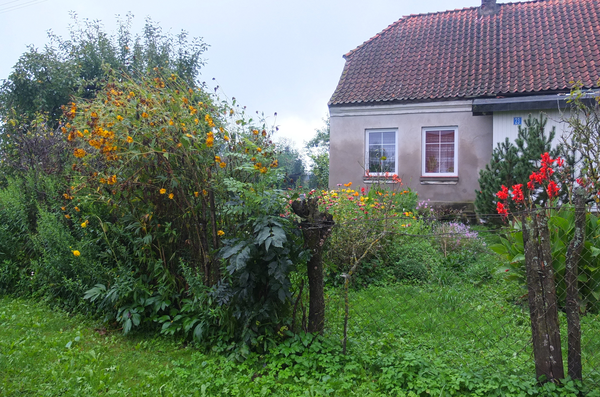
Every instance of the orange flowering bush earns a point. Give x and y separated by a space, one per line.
166 161
362 215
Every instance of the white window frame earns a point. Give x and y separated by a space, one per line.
379 130
423 151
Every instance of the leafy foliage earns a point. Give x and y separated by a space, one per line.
561 224
318 153
512 164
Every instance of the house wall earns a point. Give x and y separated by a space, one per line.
505 127
347 147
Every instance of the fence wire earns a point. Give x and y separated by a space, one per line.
466 308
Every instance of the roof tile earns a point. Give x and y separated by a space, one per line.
536 46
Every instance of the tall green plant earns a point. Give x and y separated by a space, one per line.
511 164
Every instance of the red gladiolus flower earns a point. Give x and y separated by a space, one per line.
503 194
517 193
502 210
552 189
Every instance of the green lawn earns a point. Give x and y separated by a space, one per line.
403 340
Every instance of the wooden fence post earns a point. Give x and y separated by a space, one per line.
543 310
315 229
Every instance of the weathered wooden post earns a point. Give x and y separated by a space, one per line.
316 227
543 310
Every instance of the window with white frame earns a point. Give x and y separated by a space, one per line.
381 154
440 151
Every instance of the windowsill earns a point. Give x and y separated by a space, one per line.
378 179
439 180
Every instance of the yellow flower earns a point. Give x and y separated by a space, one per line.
255 132
218 159
129 139
63 208
77 209
171 195
120 118
226 138
204 192
68 216
76 253
222 164
84 224
258 149
221 233
163 191
196 194
145 115
112 180
79 153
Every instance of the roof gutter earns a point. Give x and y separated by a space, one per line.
483 106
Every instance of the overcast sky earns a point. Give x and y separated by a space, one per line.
272 55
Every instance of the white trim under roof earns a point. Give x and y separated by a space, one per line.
402 108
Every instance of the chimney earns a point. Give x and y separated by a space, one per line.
488 7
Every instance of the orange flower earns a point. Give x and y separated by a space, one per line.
220 233
129 139
222 164
79 153
196 194
162 191
226 138
171 195
112 180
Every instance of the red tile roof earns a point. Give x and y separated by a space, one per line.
529 47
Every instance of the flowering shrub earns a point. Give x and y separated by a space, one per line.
540 182
182 180
361 216
454 236
561 225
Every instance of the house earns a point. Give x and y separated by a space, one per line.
429 97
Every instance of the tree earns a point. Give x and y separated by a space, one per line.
512 164
44 80
318 152
290 162
583 138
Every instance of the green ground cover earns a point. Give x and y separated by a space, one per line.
46 352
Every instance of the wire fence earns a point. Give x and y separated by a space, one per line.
458 295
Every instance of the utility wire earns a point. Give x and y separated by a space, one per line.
19 6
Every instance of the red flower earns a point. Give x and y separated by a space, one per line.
553 189
502 210
517 193
560 162
530 185
503 194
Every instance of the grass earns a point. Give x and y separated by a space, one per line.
445 341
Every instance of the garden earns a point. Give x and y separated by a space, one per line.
149 247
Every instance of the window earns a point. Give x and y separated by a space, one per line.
440 151
381 153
